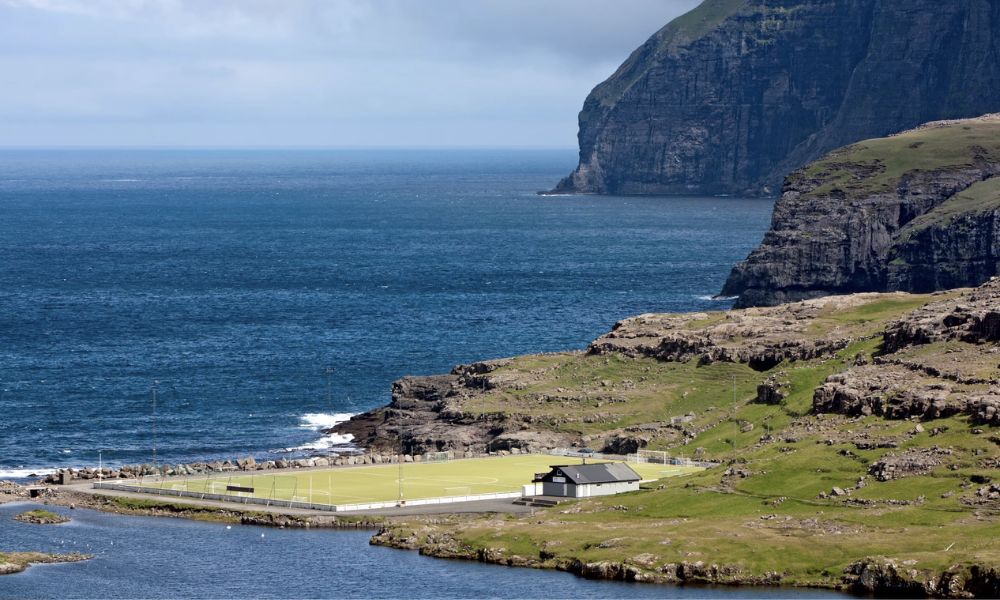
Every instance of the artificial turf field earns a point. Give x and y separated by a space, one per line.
380 483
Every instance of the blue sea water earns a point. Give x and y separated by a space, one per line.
153 557
235 279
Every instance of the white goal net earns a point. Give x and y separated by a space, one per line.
435 457
649 456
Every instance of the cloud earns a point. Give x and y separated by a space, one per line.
387 67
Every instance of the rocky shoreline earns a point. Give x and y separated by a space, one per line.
17 562
877 576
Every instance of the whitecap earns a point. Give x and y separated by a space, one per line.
317 421
717 298
327 442
23 473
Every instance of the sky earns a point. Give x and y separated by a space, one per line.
310 73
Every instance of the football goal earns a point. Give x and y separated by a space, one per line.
435 457
642 457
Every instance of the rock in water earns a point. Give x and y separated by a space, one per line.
730 97
915 212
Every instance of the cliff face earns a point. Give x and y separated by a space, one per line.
730 97
913 212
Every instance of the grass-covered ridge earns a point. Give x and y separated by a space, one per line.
878 165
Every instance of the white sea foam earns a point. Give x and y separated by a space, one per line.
317 421
326 442
22 473
718 298
321 421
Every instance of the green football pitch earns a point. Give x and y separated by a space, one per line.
382 483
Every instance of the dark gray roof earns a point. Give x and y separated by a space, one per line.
597 473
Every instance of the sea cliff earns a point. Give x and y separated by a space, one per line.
732 96
917 211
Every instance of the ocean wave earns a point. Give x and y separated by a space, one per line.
317 421
327 442
21 473
717 298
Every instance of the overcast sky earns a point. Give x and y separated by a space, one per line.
234 73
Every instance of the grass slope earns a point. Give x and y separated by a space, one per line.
877 165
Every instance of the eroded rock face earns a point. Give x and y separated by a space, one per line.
856 221
734 95
886 391
760 338
426 415
972 318
918 461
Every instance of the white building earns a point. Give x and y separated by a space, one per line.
583 481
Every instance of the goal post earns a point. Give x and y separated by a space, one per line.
435 457
658 457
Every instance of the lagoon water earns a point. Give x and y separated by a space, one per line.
152 557
234 279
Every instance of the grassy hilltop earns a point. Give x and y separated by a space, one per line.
859 450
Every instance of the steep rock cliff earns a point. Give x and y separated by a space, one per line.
735 94
913 212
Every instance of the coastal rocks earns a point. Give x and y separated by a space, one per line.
426 415
16 562
838 230
730 97
890 578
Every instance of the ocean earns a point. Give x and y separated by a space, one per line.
263 295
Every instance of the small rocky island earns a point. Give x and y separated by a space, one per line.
16 562
41 517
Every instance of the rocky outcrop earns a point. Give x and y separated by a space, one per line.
972 318
16 562
426 415
886 577
917 461
886 391
730 97
913 212
760 338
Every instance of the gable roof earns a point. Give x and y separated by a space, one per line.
595 473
